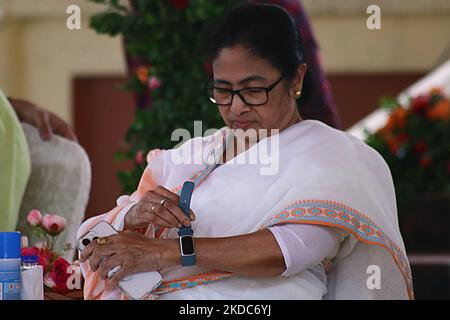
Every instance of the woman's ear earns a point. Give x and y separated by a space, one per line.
297 82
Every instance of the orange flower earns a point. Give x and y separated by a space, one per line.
397 119
440 111
437 90
393 144
142 74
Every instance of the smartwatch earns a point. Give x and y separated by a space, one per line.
186 234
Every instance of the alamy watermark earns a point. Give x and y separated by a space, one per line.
264 144
373 22
73 21
374 280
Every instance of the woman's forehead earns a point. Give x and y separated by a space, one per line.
238 64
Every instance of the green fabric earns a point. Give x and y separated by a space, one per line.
15 165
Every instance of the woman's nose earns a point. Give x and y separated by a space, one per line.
238 106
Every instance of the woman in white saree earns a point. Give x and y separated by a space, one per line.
314 217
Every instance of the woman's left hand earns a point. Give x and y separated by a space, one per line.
132 251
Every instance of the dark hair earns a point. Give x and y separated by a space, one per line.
268 31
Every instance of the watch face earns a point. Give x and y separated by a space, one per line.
187 245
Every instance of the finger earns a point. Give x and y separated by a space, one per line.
157 220
43 124
98 256
107 265
165 214
152 201
175 211
122 273
61 128
87 252
166 193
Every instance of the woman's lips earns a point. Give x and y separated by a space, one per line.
242 124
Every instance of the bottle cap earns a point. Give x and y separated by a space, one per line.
30 259
10 245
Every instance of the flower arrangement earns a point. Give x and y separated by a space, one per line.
47 228
415 142
166 71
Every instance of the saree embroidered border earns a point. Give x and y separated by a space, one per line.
335 214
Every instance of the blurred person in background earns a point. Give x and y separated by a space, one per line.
15 166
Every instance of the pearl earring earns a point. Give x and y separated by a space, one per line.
298 94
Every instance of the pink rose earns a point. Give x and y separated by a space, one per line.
34 218
53 224
154 83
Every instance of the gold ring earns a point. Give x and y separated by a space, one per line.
162 201
101 241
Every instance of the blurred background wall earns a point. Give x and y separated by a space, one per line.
40 57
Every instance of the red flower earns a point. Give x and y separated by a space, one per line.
208 68
420 103
425 161
180 4
420 146
59 273
403 137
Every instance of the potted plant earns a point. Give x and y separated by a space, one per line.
415 142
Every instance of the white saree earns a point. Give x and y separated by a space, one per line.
324 177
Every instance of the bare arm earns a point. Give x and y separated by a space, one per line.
252 255
255 254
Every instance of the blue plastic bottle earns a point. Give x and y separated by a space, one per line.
10 261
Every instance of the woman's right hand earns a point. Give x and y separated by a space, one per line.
149 210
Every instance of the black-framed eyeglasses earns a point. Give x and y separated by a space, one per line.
252 96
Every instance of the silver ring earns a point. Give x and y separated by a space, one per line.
162 201
153 209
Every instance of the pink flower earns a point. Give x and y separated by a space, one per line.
154 83
34 218
53 224
139 158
